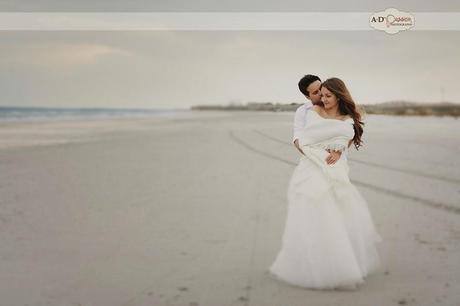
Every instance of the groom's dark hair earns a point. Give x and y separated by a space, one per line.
305 82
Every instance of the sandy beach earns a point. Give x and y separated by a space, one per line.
190 210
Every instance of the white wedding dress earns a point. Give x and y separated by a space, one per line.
329 236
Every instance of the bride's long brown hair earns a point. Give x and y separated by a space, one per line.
346 106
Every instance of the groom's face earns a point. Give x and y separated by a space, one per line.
314 92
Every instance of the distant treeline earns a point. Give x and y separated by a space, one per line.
402 108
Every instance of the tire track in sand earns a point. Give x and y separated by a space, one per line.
430 203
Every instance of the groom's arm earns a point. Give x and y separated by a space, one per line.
299 122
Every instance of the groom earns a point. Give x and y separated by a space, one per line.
309 86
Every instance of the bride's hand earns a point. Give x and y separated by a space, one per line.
333 156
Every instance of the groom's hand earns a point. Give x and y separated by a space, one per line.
333 156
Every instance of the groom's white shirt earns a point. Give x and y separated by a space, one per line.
300 119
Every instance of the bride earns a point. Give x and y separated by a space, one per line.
329 236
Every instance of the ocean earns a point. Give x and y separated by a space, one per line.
10 113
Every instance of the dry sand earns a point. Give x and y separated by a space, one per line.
190 211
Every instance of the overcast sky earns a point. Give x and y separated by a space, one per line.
228 5
177 69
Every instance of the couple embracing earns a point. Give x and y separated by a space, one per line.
329 236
